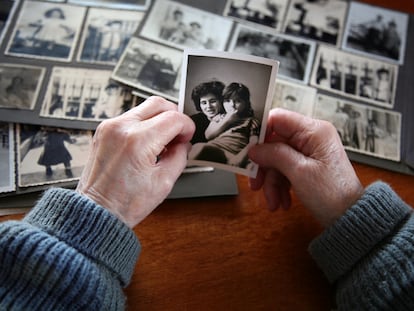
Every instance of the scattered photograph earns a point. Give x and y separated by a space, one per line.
363 129
320 20
50 155
106 34
294 97
184 26
46 30
115 4
268 13
294 54
19 85
85 94
228 96
376 31
354 76
7 9
151 68
7 168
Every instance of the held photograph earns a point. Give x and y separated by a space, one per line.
228 96
7 167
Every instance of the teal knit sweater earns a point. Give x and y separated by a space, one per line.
70 254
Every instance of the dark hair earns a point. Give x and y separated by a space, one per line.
239 93
49 13
212 87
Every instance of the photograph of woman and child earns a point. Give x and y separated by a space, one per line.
228 111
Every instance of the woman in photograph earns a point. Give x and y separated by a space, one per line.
230 134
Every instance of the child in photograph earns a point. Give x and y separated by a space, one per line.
230 134
383 85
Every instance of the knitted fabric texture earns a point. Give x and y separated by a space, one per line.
68 253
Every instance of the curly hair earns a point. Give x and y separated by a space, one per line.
212 87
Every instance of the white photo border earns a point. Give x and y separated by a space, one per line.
11 158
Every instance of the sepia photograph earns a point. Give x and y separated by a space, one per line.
151 68
294 97
269 13
320 20
49 154
294 54
7 168
363 129
106 34
84 94
46 30
376 31
141 5
184 26
228 96
19 86
355 76
7 9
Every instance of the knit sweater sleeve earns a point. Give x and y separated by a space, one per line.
369 253
68 253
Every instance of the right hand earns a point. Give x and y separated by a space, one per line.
307 155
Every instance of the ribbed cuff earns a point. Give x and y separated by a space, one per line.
89 228
378 212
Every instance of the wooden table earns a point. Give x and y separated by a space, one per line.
231 253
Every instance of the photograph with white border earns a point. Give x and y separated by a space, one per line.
7 10
259 12
362 128
106 34
183 26
377 32
84 94
228 96
46 30
141 5
295 54
20 85
320 20
50 154
294 97
7 168
150 67
355 76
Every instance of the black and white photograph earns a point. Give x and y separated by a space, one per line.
50 154
363 129
46 30
376 31
320 20
228 96
184 26
151 68
7 9
85 94
7 168
355 76
106 34
294 54
19 86
269 13
140 5
294 97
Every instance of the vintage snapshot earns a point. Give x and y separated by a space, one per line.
7 9
363 129
85 94
184 26
320 20
50 154
294 97
228 96
46 30
106 34
19 85
295 54
7 168
151 68
114 4
355 76
260 12
376 31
